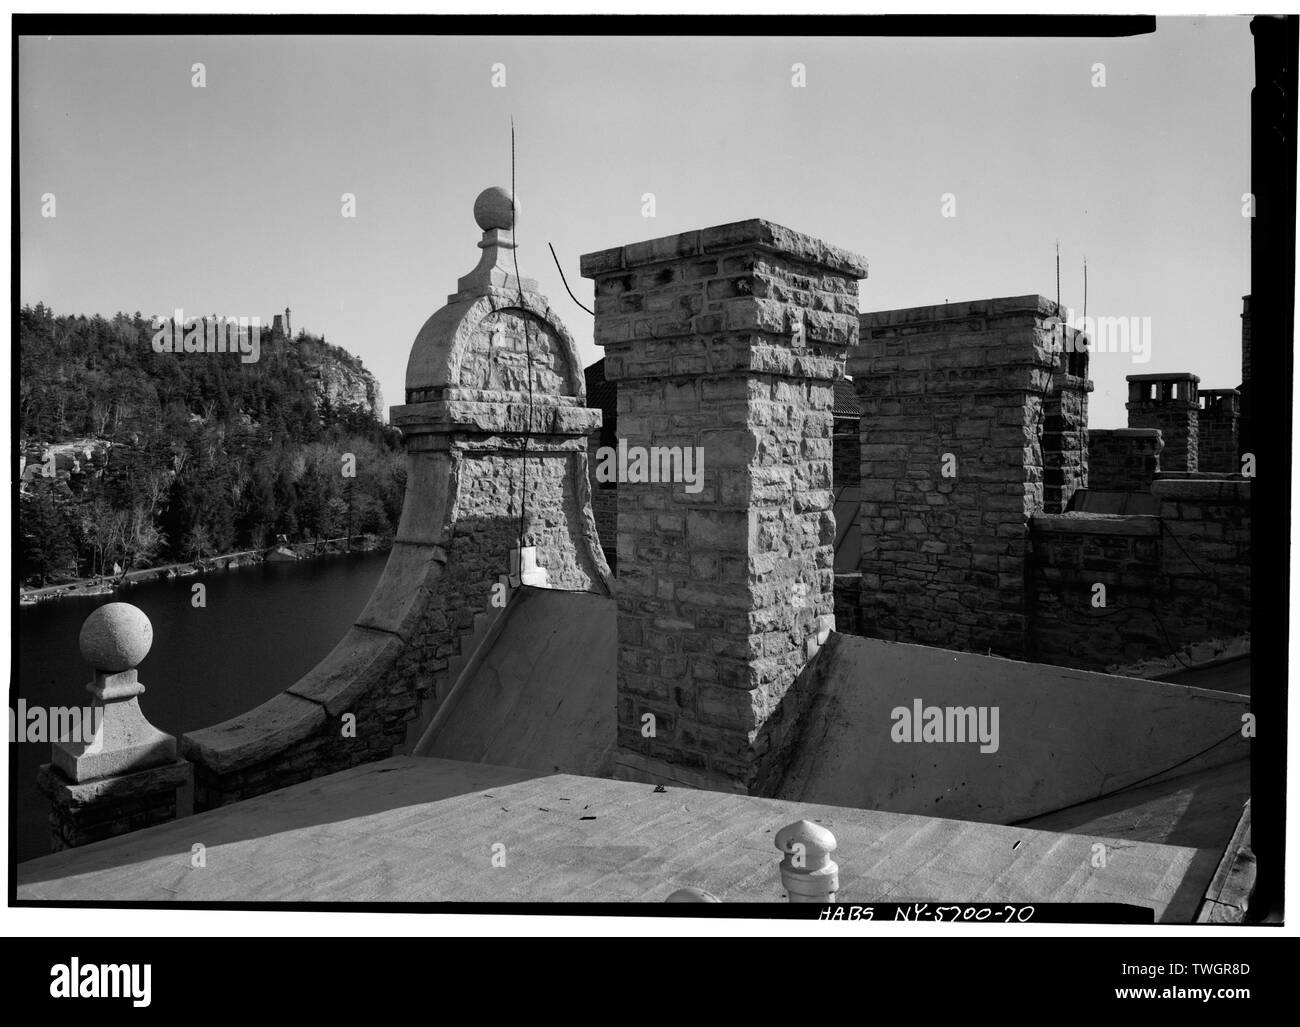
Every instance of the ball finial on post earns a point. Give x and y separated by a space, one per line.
115 637
496 208
497 212
110 770
808 873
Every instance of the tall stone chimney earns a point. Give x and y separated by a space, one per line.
959 402
724 342
1169 402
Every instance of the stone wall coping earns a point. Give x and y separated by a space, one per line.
1095 524
1031 303
262 733
1127 433
756 233
1164 376
1202 489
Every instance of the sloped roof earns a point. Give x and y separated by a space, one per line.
846 400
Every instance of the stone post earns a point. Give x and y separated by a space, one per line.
725 344
808 874
1169 402
119 773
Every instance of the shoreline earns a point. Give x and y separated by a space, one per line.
79 588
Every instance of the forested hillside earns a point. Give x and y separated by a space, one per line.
135 458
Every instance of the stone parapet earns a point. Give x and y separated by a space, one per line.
1123 459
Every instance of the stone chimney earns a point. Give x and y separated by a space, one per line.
1217 431
725 343
956 401
1169 402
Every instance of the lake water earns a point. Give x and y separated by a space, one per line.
262 629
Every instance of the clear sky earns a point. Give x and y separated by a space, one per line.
226 198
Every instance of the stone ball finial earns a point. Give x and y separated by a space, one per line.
492 209
116 637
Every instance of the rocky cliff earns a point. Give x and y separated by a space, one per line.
340 378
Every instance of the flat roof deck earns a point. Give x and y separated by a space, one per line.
420 830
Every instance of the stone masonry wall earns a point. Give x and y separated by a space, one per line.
1170 580
1065 439
1123 459
91 811
604 504
485 528
958 387
728 339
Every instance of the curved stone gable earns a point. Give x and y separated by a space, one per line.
477 344
493 467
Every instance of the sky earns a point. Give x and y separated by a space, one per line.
228 198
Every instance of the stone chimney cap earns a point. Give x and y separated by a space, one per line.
756 233
496 208
1164 376
116 637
